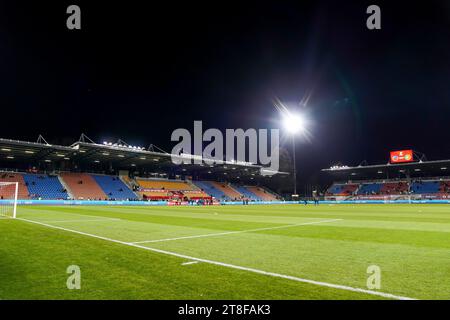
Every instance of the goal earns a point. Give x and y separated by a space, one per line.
8 199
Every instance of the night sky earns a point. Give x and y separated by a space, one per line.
137 73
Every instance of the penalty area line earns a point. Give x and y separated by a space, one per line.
228 265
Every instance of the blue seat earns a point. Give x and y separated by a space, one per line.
425 187
211 190
370 188
114 188
44 186
247 193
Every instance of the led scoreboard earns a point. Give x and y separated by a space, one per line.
402 156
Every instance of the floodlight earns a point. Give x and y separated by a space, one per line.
294 123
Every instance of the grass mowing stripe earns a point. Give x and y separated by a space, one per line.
84 220
272 274
235 232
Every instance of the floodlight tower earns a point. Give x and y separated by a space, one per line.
294 123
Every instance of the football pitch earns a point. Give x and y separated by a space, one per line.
227 252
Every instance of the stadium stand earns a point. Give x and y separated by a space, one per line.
45 187
262 194
164 184
83 186
394 188
429 188
247 193
444 187
369 188
156 195
210 189
114 188
194 195
227 190
342 189
7 192
425 187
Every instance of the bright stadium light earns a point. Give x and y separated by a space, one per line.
294 123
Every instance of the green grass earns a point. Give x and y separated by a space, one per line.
410 243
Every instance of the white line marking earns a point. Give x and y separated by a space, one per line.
235 232
232 266
189 262
82 220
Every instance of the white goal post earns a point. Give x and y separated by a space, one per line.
8 199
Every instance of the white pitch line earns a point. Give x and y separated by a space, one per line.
188 263
235 232
232 266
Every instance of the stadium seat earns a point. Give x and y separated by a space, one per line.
394 188
155 195
45 187
8 192
197 194
227 190
342 189
210 189
83 186
247 193
262 194
425 187
114 188
164 184
369 188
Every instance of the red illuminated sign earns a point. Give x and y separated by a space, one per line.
402 156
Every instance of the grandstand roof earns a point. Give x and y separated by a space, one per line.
419 168
118 155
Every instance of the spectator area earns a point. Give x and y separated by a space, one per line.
227 190
165 185
262 194
45 186
211 190
425 187
114 188
83 186
342 189
247 193
196 194
8 192
369 188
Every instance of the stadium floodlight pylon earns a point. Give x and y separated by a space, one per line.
8 199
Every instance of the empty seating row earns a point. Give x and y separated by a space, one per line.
262 194
114 188
83 186
369 188
342 189
228 191
8 191
196 194
425 187
246 193
164 184
210 189
394 188
45 187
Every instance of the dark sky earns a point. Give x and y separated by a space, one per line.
138 72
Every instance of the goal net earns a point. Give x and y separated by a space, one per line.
8 199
